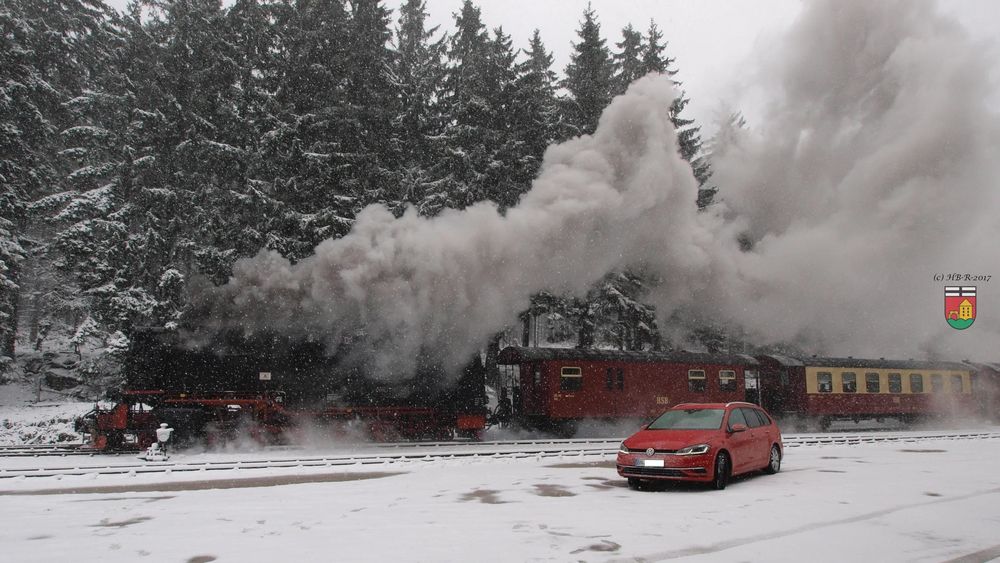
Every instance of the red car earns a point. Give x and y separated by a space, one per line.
708 442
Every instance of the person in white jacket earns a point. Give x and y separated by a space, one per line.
163 434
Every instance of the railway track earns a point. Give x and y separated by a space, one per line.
382 454
49 450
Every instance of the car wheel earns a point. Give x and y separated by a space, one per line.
634 483
722 468
774 464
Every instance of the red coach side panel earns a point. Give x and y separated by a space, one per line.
572 384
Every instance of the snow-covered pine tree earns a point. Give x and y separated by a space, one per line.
505 149
628 60
11 254
251 208
313 171
45 60
157 188
90 219
467 133
373 103
536 117
418 70
589 75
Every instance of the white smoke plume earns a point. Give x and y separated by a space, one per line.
873 171
443 285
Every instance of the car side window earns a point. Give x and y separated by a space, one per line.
736 417
751 416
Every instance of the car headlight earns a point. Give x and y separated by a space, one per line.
622 448
694 450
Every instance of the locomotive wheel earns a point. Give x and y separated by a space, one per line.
774 463
722 468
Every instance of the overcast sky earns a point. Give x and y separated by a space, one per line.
713 41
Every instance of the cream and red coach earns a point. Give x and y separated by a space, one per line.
820 390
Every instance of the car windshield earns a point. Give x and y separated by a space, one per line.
689 419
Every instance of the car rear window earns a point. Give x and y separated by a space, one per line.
763 416
753 420
689 419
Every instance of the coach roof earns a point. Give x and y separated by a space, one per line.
517 354
881 363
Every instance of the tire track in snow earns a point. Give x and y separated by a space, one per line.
738 542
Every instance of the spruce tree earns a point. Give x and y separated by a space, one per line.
313 167
372 103
418 71
589 75
536 117
48 52
467 132
505 150
629 65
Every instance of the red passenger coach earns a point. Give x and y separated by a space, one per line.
556 388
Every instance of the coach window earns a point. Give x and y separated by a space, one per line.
872 384
937 383
916 383
727 380
571 379
895 383
824 379
849 381
956 383
609 381
696 380
621 379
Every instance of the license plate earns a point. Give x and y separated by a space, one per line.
650 462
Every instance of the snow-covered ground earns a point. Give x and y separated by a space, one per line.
48 421
931 500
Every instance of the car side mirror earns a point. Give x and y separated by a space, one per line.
738 427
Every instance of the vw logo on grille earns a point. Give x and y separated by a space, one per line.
650 451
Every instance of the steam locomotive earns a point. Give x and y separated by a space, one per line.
271 389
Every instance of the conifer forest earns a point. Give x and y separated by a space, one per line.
144 151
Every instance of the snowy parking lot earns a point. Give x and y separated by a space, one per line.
932 500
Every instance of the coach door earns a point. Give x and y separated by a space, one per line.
751 384
533 388
772 389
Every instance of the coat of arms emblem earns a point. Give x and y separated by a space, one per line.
960 306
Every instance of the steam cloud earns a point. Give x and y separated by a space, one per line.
873 171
